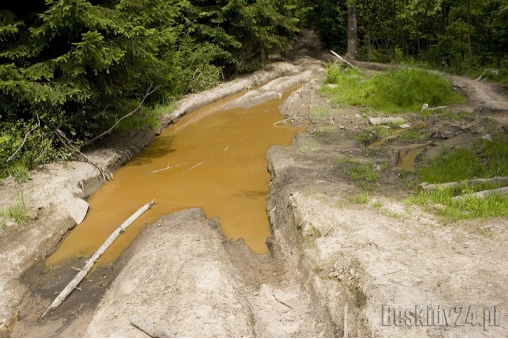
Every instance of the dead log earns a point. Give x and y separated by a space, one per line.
496 180
342 59
482 194
149 329
81 275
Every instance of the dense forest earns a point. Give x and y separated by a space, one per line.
70 69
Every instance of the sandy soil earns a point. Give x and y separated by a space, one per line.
334 265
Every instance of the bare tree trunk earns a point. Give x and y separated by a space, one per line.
352 32
469 31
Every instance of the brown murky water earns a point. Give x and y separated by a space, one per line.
381 142
210 159
407 159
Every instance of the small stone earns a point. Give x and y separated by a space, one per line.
381 121
404 126
442 135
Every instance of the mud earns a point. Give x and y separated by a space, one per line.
53 186
407 159
187 166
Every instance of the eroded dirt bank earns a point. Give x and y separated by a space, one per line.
327 254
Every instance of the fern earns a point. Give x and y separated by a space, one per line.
18 171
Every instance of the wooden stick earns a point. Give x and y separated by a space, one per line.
81 275
104 172
342 59
149 329
482 194
345 322
282 302
496 180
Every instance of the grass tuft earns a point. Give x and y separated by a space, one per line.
487 159
18 211
494 205
414 135
398 91
361 198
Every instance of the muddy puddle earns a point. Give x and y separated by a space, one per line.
381 142
407 159
210 159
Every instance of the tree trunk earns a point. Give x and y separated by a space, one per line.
469 31
352 32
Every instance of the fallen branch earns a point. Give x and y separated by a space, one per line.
104 172
342 59
283 303
165 169
81 275
345 322
195 166
482 194
149 329
284 121
496 180
149 91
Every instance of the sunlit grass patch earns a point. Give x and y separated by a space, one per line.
494 205
364 175
398 91
17 211
487 159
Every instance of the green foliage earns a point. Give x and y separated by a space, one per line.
361 198
414 135
487 159
346 160
458 36
318 112
494 205
328 18
79 66
398 91
17 211
363 175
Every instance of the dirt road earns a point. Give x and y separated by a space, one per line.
380 268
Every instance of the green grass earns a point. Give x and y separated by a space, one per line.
494 205
362 174
398 91
361 198
318 112
323 132
414 135
146 117
487 159
18 211
346 160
